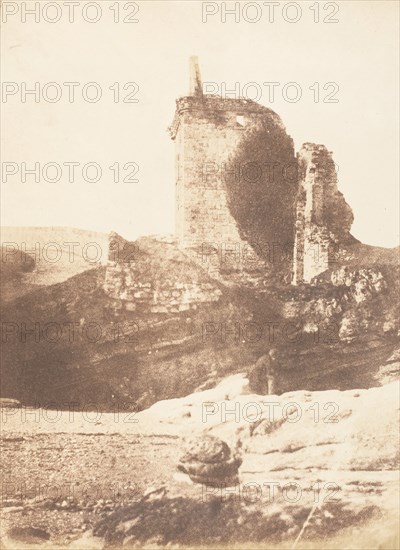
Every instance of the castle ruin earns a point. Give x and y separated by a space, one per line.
249 210
220 201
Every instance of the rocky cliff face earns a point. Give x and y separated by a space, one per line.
153 324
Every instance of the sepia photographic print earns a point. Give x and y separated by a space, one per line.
200 340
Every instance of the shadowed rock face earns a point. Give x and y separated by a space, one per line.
160 327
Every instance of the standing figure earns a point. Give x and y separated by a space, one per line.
263 376
272 373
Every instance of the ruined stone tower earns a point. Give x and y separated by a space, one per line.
211 186
241 190
323 218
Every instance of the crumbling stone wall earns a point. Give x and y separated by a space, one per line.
130 293
135 281
323 218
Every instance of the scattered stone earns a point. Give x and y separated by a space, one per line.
47 504
13 509
8 503
395 357
87 541
30 535
9 403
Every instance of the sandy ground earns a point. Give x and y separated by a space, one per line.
63 471
79 466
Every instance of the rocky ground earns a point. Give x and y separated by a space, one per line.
314 465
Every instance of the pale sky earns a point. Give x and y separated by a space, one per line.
359 54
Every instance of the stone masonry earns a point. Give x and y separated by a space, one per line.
135 281
323 216
207 130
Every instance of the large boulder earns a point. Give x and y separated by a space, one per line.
209 460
